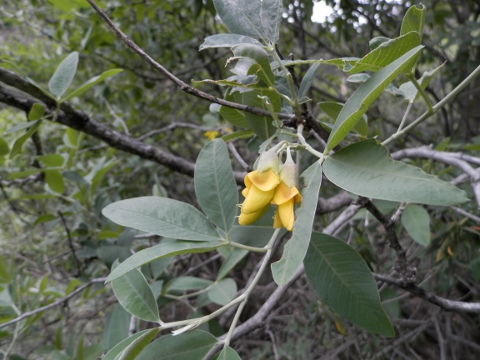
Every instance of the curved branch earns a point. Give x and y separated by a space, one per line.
80 121
54 304
446 304
454 159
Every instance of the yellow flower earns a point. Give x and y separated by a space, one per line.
259 191
285 198
286 195
264 186
211 134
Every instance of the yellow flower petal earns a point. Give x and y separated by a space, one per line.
285 212
256 200
283 194
265 181
247 219
245 192
277 222
298 198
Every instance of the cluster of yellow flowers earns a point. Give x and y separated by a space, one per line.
271 184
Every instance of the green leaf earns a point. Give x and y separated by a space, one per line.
256 235
386 53
236 255
228 353
160 251
233 116
36 112
72 138
332 109
186 283
21 126
223 291
262 126
244 134
4 147
416 221
260 63
51 160
18 144
193 345
92 82
410 92
134 294
365 169
215 185
377 41
162 216
116 327
255 18
137 345
307 80
63 75
227 40
295 249
5 276
121 346
342 280
366 94
413 20
54 179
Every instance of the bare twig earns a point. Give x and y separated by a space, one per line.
454 159
238 157
401 265
70 244
446 304
54 304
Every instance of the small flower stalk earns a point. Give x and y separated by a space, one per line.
271 184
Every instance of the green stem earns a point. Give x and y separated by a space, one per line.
307 145
246 247
422 93
291 85
437 107
404 119
252 285
194 323
201 320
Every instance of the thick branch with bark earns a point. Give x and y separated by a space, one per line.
80 121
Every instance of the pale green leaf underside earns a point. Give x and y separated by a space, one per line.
258 19
134 294
365 169
223 291
215 185
193 345
160 251
63 75
295 249
342 280
227 40
162 216
228 353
